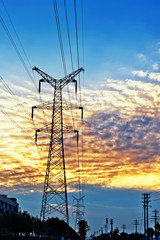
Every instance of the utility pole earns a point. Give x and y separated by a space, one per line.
136 225
55 187
101 230
106 225
146 200
144 206
124 227
111 222
155 219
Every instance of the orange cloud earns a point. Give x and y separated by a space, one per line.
120 138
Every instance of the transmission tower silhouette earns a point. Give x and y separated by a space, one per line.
78 204
55 187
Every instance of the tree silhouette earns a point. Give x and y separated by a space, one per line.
150 232
83 228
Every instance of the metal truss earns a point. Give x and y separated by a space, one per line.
78 204
55 187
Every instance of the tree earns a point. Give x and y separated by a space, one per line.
83 228
157 230
56 227
115 234
37 226
150 232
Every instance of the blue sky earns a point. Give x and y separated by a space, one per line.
121 96
115 32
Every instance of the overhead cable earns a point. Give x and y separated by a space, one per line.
60 36
61 45
16 33
12 93
16 49
69 40
75 10
21 58
14 122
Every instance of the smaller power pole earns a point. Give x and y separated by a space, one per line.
101 230
147 204
144 206
111 222
124 228
136 225
146 200
106 225
155 218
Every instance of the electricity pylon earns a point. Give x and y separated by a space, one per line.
79 209
78 202
55 187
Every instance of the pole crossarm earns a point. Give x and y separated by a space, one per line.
66 129
44 75
77 199
57 83
65 106
70 78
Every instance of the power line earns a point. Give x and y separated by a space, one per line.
21 59
14 122
61 45
25 67
82 13
75 10
16 49
12 93
16 33
9 90
21 129
59 36
69 40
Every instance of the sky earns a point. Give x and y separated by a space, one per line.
120 94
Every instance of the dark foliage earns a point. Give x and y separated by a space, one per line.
122 236
24 226
83 228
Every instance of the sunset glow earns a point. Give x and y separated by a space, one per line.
120 142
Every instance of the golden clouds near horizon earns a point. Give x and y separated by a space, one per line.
121 146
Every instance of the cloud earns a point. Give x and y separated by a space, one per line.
140 73
142 58
154 76
120 138
155 66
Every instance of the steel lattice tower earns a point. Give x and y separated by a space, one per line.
79 209
55 187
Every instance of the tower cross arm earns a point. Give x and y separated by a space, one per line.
65 105
47 129
45 76
70 77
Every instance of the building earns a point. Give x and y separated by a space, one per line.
8 204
